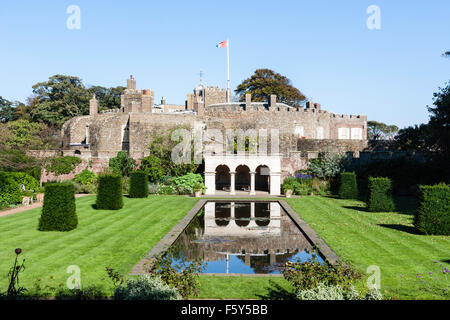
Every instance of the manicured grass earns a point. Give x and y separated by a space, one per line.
103 238
385 239
244 287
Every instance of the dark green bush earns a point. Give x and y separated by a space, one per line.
59 210
109 192
433 215
138 184
380 195
348 188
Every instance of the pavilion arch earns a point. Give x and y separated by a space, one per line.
223 178
242 180
262 178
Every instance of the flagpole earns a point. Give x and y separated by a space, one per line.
228 71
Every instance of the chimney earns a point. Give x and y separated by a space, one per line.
131 83
272 101
248 101
309 105
163 101
93 106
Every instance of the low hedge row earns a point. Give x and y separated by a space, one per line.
380 195
109 192
138 184
348 188
59 210
433 214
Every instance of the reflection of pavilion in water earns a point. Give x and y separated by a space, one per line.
260 234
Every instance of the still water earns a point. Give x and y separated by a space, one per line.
242 237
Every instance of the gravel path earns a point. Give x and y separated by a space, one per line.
21 208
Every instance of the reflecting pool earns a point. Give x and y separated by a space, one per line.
242 237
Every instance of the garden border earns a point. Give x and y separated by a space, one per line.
324 250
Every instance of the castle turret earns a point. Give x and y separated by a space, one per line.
93 106
131 83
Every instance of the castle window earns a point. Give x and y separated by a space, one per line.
319 133
343 133
298 130
356 133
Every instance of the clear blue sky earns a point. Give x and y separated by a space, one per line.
324 47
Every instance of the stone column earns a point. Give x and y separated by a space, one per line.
252 183
232 186
275 183
210 182
252 210
87 134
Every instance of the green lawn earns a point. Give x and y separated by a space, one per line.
387 240
118 239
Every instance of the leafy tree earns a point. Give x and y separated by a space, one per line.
433 136
439 123
265 82
413 138
59 99
380 131
327 166
108 98
7 110
122 164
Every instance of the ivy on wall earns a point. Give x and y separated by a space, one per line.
62 165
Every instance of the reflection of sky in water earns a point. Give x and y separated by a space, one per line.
259 238
237 265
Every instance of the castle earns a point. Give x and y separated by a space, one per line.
302 132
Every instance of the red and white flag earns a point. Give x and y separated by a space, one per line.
223 44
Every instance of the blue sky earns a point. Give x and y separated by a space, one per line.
324 47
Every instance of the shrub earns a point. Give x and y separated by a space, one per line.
138 184
153 167
85 182
10 192
185 184
146 288
122 164
433 214
336 292
348 188
85 177
326 166
109 192
308 275
182 276
62 165
380 195
58 211
288 184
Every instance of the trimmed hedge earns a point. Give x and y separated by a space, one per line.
109 192
380 195
433 214
138 184
59 210
348 188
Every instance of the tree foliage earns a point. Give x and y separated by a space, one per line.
63 97
122 164
59 99
159 163
433 136
265 82
380 131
